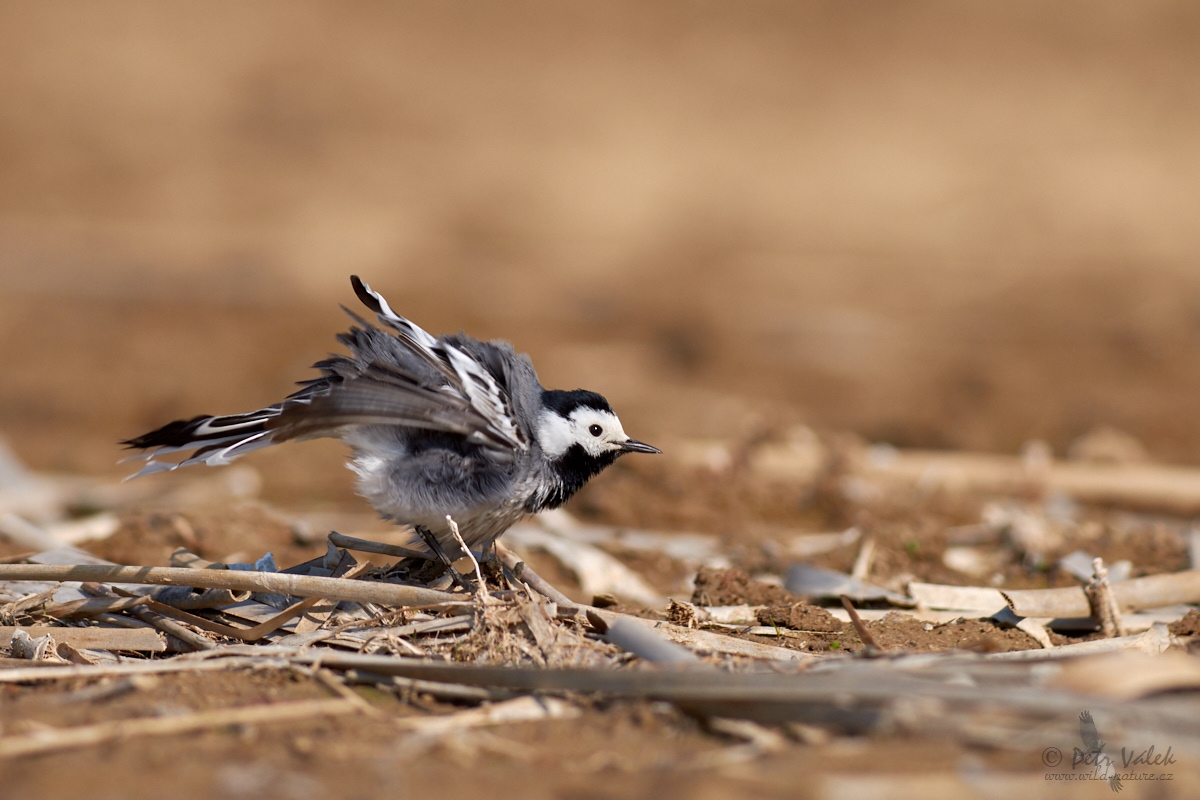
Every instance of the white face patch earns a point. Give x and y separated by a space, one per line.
597 432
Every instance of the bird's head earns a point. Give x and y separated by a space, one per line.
581 426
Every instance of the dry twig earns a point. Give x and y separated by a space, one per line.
1155 640
143 639
707 641
48 740
1154 591
866 557
178 664
315 617
864 635
641 640
522 709
1157 486
388 594
379 548
335 685
1100 598
524 573
481 587
253 634
142 611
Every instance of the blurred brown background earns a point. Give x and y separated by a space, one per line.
935 224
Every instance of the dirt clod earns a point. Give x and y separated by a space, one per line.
800 617
899 631
733 587
683 614
605 601
1188 626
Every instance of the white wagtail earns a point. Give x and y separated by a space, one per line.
446 426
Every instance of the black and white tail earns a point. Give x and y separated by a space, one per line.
216 440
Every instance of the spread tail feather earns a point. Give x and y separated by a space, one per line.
215 440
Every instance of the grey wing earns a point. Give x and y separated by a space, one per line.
411 379
472 371
1088 732
377 394
520 393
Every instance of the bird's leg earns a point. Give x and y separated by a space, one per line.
434 547
440 556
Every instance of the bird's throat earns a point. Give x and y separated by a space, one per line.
570 472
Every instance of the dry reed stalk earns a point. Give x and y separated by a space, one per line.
379 548
1103 605
51 740
143 639
388 594
536 582
1154 486
642 641
145 614
1136 594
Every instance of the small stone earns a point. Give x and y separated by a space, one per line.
605 601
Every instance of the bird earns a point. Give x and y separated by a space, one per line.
1094 746
451 435
1088 733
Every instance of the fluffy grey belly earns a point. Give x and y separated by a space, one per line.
479 530
422 489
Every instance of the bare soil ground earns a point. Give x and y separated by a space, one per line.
946 227
616 748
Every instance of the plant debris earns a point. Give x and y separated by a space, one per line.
435 654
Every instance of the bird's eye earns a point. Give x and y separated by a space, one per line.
595 430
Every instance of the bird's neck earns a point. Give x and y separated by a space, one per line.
568 473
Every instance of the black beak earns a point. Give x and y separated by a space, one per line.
634 446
